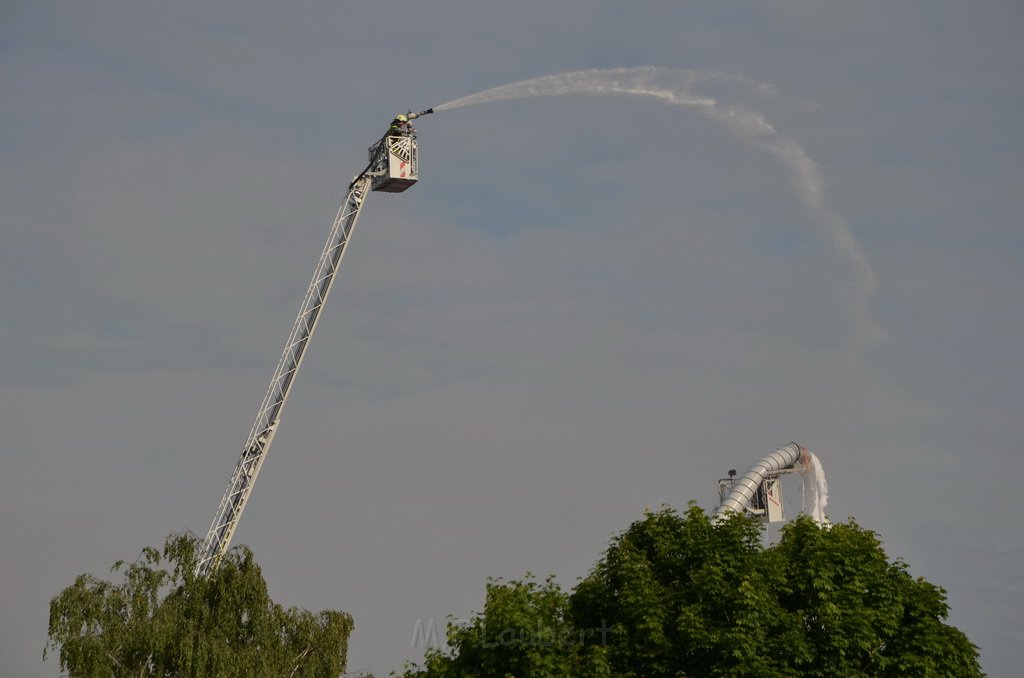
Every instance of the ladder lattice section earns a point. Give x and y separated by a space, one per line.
262 435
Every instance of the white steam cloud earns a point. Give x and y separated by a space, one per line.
676 87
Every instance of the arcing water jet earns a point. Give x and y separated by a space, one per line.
676 87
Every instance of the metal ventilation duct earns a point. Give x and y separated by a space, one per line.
743 491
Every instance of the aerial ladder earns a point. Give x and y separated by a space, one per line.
393 168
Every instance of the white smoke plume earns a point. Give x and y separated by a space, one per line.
677 88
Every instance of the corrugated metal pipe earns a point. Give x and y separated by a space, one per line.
743 491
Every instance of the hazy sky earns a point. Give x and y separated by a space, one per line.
590 303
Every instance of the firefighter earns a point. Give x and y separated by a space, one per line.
400 126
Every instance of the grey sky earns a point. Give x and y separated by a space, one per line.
588 305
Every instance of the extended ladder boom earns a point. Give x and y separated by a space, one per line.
262 435
392 168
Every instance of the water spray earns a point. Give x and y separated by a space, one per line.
815 488
677 87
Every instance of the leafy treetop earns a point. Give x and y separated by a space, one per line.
165 621
688 596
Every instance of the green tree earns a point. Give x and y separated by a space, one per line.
165 621
862 615
524 630
688 596
684 596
